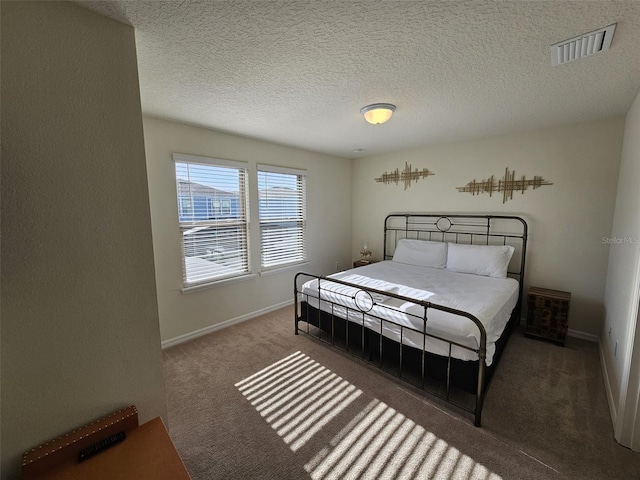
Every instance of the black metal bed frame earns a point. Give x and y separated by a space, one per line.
352 335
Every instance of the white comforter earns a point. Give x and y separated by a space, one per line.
490 300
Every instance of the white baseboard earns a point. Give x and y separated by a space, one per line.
590 337
607 384
607 387
219 326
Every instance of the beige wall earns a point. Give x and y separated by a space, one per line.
328 224
80 334
623 279
567 220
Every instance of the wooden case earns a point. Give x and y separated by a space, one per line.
548 314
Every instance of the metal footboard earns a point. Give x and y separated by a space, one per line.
356 305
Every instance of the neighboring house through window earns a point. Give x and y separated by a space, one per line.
282 213
213 218
184 206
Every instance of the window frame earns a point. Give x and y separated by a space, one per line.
243 222
300 217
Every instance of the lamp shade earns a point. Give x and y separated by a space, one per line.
378 113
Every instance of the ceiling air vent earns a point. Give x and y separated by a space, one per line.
582 46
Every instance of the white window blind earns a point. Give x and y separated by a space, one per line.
282 210
213 218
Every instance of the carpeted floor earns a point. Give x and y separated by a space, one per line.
254 401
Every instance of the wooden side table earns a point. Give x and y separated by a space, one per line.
143 452
548 314
362 262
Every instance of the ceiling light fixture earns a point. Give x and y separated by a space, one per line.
378 113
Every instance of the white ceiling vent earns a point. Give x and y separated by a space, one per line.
582 46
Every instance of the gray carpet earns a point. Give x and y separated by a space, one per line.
254 401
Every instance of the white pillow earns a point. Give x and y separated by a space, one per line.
421 252
486 260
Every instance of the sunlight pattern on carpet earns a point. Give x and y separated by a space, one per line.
382 443
298 397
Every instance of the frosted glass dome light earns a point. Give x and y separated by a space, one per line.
378 113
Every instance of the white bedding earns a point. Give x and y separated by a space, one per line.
490 300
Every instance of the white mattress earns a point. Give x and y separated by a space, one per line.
490 300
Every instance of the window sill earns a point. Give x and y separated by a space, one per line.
284 269
217 283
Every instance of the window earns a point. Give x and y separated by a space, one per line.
184 205
213 218
282 212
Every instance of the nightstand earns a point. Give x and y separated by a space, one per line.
362 262
548 314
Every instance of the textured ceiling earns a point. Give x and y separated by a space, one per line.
298 72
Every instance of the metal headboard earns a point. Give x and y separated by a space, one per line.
468 229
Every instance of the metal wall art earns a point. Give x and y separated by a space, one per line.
405 176
507 185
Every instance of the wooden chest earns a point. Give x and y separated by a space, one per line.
548 314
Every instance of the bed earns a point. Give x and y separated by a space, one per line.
438 308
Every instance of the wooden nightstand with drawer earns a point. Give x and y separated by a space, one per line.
548 314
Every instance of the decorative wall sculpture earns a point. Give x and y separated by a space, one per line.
405 176
507 185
